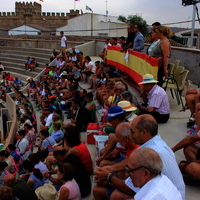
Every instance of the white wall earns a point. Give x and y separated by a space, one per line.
24 30
83 23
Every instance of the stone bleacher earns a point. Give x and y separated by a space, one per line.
13 59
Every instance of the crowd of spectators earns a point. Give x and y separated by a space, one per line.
53 146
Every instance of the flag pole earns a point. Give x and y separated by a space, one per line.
106 10
92 23
74 5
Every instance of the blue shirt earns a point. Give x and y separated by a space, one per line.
57 135
170 167
48 142
138 42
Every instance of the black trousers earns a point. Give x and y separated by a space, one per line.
160 118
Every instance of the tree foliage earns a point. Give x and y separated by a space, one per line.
135 19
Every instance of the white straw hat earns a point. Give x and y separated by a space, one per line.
47 192
126 105
148 78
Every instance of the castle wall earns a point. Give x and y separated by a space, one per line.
31 13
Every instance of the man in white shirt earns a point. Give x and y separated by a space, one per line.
144 168
63 44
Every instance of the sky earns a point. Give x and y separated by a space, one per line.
164 11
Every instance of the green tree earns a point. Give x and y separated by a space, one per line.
135 19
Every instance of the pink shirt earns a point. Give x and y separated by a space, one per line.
74 191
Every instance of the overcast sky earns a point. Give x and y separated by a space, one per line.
164 11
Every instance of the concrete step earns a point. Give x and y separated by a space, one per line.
23 77
21 61
18 63
36 50
22 70
23 57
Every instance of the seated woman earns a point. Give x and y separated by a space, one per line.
73 145
11 166
57 133
35 179
3 172
89 69
91 106
15 154
22 145
47 143
30 135
69 189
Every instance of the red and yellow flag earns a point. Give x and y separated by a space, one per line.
137 64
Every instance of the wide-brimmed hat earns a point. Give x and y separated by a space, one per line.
46 192
64 73
29 78
148 78
126 105
114 112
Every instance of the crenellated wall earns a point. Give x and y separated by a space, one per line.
31 13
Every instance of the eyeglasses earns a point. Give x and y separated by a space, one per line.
135 27
134 131
128 170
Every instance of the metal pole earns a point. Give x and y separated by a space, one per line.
193 25
106 10
92 23
74 5
49 25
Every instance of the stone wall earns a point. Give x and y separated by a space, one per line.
31 13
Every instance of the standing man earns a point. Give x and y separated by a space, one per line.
130 38
138 42
63 44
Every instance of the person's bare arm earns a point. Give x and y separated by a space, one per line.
120 166
185 142
108 148
101 174
165 47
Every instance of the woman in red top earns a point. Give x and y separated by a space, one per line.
73 145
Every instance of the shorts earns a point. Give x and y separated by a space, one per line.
63 49
88 73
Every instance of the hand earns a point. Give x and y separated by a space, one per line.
101 174
109 168
166 73
98 160
46 174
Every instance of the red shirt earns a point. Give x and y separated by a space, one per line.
131 150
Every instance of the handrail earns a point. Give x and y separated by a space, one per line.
10 104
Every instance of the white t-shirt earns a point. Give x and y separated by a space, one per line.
49 120
93 66
63 41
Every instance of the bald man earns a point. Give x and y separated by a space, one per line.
144 129
144 168
19 187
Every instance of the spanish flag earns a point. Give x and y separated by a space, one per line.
134 63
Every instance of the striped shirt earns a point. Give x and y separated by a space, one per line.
159 187
158 99
170 167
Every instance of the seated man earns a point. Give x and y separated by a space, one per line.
191 167
144 132
144 168
115 116
158 103
80 116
